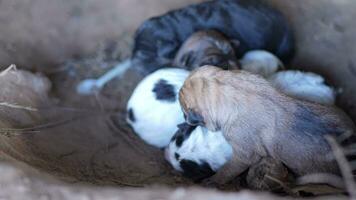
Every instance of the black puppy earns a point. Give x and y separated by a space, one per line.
253 23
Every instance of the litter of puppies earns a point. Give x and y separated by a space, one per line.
240 108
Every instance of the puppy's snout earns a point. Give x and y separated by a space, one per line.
194 119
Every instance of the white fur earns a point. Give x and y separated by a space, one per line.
201 146
156 121
260 62
304 85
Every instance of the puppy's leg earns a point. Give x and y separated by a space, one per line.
230 170
90 86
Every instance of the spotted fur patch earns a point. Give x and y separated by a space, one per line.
164 91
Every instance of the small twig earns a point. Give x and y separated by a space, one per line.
127 184
7 131
344 166
11 105
11 67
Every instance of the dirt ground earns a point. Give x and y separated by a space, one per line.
19 184
86 139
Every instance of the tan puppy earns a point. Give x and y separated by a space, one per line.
258 121
207 47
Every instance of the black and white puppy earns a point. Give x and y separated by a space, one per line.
153 110
197 152
251 22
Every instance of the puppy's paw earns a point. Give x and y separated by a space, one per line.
209 183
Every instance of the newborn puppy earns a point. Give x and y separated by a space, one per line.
206 48
259 121
195 146
197 152
156 42
261 62
304 85
251 22
153 110
289 82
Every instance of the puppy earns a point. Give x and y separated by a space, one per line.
259 121
206 153
254 24
303 85
153 110
197 152
195 141
261 62
207 47
156 42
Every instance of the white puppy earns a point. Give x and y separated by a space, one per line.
261 62
302 85
153 110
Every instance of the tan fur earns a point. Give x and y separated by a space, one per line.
258 121
206 47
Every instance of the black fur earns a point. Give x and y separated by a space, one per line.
164 91
196 172
254 24
190 168
311 124
177 156
194 119
131 115
183 133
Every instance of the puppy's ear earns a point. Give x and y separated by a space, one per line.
194 119
187 58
